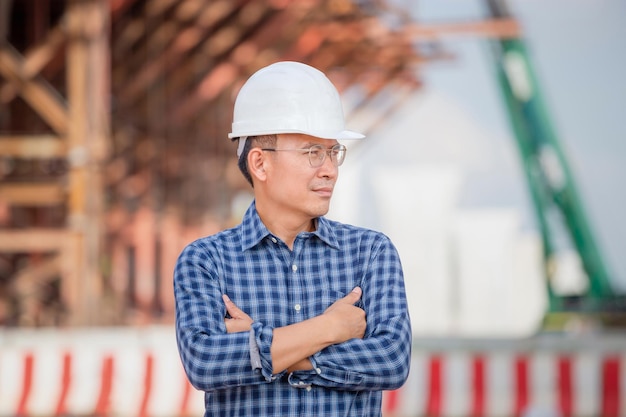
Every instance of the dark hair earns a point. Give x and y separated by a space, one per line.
264 141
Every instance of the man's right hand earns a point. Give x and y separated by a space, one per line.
292 345
348 320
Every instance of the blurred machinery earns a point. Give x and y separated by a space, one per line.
558 208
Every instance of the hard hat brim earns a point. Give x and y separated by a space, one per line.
342 135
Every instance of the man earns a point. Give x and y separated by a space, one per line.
290 313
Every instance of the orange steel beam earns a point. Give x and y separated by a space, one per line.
492 28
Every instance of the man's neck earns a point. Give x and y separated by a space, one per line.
284 226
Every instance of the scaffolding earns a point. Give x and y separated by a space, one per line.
113 122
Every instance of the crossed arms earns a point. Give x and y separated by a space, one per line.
293 344
338 348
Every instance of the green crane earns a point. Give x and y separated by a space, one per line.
558 208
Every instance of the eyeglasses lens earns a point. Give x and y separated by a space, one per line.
317 155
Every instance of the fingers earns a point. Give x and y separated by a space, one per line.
346 319
353 296
232 309
238 321
349 299
230 306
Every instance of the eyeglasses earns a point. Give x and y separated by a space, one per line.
317 154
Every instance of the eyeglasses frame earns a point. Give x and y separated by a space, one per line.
334 150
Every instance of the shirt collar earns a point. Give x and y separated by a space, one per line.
326 232
253 230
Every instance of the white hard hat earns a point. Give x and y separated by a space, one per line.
289 97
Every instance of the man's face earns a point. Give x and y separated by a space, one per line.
293 184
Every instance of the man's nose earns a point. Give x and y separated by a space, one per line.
328 168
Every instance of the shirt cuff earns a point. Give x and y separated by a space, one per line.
263 342
255 355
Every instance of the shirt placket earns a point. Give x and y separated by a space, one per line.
298 307
296 301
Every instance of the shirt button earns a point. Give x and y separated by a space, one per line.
308 388
318 370
294 267
274 239
297 307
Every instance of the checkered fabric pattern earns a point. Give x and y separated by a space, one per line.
277 286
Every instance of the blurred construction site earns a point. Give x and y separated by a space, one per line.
114 115
114 155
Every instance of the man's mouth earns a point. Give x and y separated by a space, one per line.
324 191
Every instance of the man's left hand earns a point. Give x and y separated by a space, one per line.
238 321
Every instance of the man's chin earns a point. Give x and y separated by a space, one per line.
321 210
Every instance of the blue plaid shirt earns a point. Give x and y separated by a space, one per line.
277 286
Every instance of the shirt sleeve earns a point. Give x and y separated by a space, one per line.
381 360
212 358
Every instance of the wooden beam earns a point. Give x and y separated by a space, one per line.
157 7
38 94
223 74
174 47
88 92
34 275
32 194
32 240
118 7
5 18
132 34
33 146
35 60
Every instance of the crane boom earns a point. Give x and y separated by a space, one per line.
558 208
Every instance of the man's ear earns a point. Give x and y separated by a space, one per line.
256 163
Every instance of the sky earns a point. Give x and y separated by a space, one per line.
578 49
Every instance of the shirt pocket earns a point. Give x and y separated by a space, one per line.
325 297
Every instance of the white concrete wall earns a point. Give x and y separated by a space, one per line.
468 272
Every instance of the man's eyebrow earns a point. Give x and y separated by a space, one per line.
309 144
306 145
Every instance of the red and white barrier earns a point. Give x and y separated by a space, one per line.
131 372
509 383
117 372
